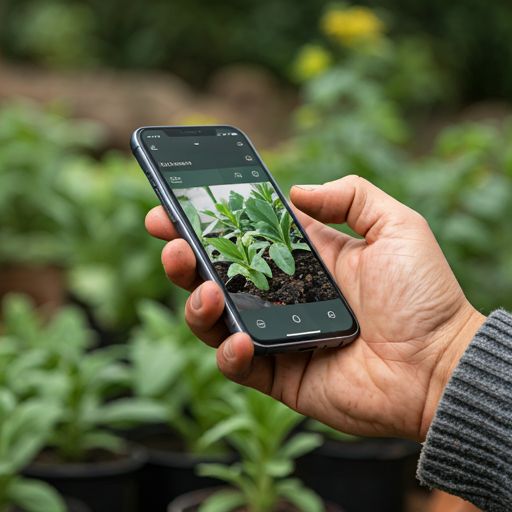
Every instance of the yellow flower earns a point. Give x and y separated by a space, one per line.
197 119
311 61
352 25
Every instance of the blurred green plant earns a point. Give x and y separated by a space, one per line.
260 429
464 189
36 145
173 368
24 429
57 365
115 263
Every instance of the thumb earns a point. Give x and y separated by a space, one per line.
368 210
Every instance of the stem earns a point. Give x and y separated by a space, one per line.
210 193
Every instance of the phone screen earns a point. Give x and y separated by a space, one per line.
272 275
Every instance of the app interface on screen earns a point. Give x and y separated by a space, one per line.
274 279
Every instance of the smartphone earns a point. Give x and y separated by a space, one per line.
223 200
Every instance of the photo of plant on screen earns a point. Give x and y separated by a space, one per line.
255 246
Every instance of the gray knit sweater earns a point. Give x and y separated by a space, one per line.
468 450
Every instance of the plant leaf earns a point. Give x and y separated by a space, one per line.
300 444
130 410
227 249
259 264
223 429
223 501
231 474
35 496
303 498
283 258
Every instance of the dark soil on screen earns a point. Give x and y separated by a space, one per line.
309 283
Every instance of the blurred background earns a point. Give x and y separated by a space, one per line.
415 96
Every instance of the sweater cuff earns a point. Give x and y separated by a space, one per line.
468 449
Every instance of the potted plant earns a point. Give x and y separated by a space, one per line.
24 428
36 144
260 429
171 367
360 474
81 456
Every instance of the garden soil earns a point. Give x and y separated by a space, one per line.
309 283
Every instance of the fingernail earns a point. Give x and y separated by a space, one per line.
307 187
196 300
229 352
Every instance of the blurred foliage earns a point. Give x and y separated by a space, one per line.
115 263
351 121
24 428
190 37
471 39
59 206
57 364
174 369
36 147
261 430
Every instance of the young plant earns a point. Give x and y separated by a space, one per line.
172 368
276 227
229 216
260 430
55 364
246 258
24 430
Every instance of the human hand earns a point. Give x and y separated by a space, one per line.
415 320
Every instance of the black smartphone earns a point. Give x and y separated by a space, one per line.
225 203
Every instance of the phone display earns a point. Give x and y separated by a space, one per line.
277 287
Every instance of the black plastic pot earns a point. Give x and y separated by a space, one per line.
169 474
368 475
108 486
191 501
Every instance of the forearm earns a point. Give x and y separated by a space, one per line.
468 449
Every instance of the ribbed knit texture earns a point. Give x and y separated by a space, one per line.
468 450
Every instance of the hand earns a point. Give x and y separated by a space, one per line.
415 320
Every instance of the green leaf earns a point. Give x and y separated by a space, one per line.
130 411
231 474
104 440
279 468
283 258
223 501
300 444
286 222
256 277
300 246
304 499
35 496
227 249
225 428
261 211
236 201
192 215
259 264
157 364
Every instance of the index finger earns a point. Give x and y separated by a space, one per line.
159 225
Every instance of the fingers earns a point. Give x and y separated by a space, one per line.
159 225
179 263
368 210
235 358
203 313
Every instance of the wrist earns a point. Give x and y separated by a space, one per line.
453 339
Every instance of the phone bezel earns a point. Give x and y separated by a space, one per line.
233 319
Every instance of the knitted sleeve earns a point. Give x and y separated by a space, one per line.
468 449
